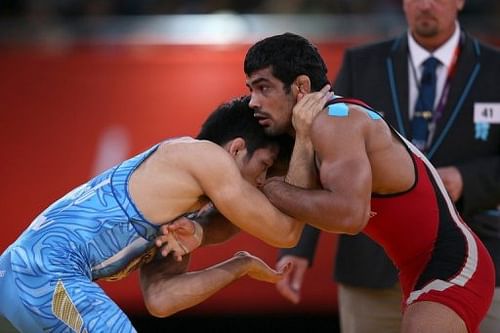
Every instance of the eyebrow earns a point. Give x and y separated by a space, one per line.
257 81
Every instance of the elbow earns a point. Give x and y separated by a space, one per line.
284 242
288 242
349 225
291 238
159 309
294 237
353 229
354 225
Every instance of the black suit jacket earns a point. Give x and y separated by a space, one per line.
378 75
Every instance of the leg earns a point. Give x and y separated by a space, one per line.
57 306
167 287
491 322
83 306
366 310
11 305
431 317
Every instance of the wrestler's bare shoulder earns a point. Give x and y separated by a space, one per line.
166 185
377 134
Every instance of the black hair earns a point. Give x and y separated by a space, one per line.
234 119
289 56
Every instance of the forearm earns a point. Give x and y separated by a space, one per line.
319 208
176 292
216 228
302 171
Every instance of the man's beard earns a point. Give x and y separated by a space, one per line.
273 131
427 28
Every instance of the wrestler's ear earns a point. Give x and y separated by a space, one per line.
302 85
236 146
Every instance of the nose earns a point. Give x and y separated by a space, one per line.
424 4
253 104
261 179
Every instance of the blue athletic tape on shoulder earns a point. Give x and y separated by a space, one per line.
372 114
338 110
342 110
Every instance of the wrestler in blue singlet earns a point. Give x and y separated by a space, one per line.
93 232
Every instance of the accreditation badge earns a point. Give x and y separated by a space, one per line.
487 113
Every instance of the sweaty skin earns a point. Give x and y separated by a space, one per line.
173 182
355 156
303 175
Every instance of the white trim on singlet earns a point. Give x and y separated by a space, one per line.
470 266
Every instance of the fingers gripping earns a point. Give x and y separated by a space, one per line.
180 237
307 107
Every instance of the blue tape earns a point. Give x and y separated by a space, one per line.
338 110
342 110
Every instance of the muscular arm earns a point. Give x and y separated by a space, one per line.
302 171
167 288
156 284
240 202
343 203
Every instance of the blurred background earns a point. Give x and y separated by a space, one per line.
86 84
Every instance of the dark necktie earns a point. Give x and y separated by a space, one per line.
425 104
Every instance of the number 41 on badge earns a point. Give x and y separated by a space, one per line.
487 113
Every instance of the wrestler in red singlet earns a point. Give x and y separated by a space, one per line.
435 251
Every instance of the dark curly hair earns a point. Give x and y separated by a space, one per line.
234 119
288 55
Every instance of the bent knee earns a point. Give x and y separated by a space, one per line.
431 317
